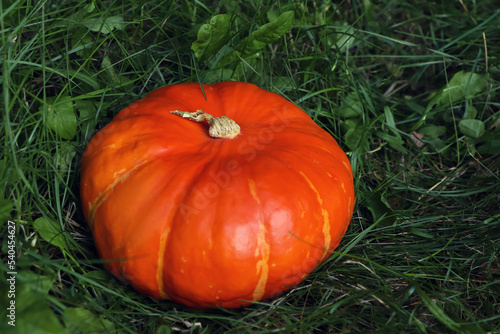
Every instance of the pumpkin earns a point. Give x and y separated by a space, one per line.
183 209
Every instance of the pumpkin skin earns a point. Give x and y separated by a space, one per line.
215 222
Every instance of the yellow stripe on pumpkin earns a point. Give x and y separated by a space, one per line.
161 261
264 249
324 213
326 230
253 190
104 195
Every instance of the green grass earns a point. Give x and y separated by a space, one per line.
422 253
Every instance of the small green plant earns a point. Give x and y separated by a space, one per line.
225 61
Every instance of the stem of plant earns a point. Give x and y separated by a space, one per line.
220 127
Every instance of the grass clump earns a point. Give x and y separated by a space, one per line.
410 91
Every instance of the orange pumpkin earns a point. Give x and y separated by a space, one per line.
215 222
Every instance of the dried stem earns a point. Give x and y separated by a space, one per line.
220 127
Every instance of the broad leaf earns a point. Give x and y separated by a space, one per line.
463 85
40 284
490 147
163 329
351 106
51 232
105 25
86 109
212 36
470 112
217 75
473 128
381 210
78 17
433 131
345 38
393 141
61 117
81 320
268 33
354 138
33 312
282 84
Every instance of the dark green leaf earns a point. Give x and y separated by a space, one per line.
345 37
433 131
470 112
473 128
438 144
40 284
86 109
87 114
354 137
282 84
51 232
61 117
38 317
81 320
268 33
217 75
380 210
419 109
212 36
33 313
393 141
163 329
105 25
463 85
490 147
78 17
351 106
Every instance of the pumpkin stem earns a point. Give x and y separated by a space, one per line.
220 127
